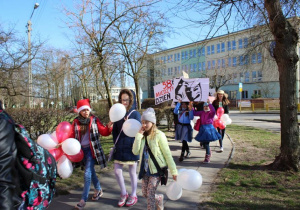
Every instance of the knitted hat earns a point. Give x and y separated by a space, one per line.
149 115
205 104
83 104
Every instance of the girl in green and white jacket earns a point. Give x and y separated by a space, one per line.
158 144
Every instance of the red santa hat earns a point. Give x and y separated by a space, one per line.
83 104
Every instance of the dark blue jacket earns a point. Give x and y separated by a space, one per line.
124 145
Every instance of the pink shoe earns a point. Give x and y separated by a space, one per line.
207 159
131 201
122 200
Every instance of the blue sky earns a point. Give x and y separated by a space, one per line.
48 25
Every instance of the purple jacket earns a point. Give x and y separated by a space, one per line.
206 117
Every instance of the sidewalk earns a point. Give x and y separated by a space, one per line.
189 199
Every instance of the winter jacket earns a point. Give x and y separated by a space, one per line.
10 191
182 118
160 149
103 130
206 117
123 150
216 106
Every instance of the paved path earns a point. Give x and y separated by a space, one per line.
189 199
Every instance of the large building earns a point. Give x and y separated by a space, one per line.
228 60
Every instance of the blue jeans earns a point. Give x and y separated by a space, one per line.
89 174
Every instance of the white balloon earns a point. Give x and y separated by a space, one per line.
46 141
131 127
195 119
174 191
192 123
215 117
181 170
53 136
71 146
190 179
117 112
64 167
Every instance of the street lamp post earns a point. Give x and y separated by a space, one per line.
29 55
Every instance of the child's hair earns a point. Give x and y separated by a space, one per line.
129 93
151 132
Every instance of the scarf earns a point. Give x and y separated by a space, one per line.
83 121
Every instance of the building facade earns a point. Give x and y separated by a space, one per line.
228 60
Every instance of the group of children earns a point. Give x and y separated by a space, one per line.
185 112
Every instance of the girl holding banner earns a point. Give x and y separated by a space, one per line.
184 130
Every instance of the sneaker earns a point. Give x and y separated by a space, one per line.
80 205
122 200
188 154
207 159
181 158
160 203
97 195
131 201
221 149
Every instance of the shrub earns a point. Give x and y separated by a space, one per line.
39 121
169 114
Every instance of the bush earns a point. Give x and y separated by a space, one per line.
169 114
39 121
101 110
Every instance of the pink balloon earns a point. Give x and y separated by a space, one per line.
215 123
220 112
56 153
76 158
63 131
222 125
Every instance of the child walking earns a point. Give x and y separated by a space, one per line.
221 101
184 130
207 131
157 143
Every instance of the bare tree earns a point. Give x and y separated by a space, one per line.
281 19
138 34
92 23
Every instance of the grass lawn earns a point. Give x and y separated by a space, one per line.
247 182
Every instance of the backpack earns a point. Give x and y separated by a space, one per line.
36 168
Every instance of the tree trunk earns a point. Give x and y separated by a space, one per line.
286 39
137 93
106 84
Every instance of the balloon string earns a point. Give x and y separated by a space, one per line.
58 145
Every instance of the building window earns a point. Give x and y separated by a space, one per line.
246 59
195 66
175 57
203 51
171 58
175 69
213 64
241 60
228 45
253 58
199 66
194 53
203 66
178 69
232 94
240 43
245 42
233 45
186 55
244 94
213 49
219 63
208 50
234 61
182 55
258 57
208 65
259 75
191 67
235 78
253 76
247 75
218 48
242 79
178 56
229 62
191 53
223 63
223 47
199 52
257 92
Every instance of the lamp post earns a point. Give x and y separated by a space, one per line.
29 55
